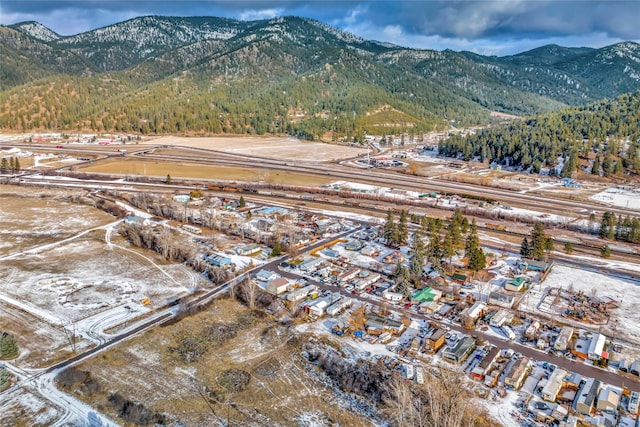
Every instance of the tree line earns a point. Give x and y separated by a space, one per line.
606 134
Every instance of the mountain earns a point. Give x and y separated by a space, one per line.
211 75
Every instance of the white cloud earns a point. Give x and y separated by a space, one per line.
255 15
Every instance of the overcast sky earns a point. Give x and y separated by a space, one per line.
488 27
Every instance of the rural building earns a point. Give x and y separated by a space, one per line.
337 307
370 250
500 318
218 260
266 275
608 399
384 324
517 373
516 284
459 278
427 294
330 253
348 275
278 286
485 364
354 245
596 347
461 350
586 398
392 296
310 264
501 299
532 330
634 401
563 339
136 220
317 307
301 293
434 341
552 388
366 281
248 249
470 315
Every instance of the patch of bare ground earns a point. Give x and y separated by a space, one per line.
281 148
223 363
130 166
25 409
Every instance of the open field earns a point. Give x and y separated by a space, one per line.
281 148
23 217
25 409
126 166
71 277
279 387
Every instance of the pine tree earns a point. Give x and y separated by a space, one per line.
403 228
389 228
473 242
605 252
168 180
277 249
608 225
4 165
525 248
416 261
538 242
568 247
595 169
16 165
477 260
242 203
448 250
12 164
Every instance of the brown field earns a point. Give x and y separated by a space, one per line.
283 390
128 166
282 148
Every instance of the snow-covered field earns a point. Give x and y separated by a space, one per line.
621 197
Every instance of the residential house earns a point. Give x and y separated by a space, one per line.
278 286
354 245
434 341
461 350
535 265
427 294
317 307
596 347
564 338
370 250
384 324
532 331
392 296
248 249
485 364
500 318
348 275
218 260
501 299
301 293
266 275
470 315
516 284
136 220
338 306
311 264
366 281
517 373
608 399
330 253
587 395
459 278
393 258
554 384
